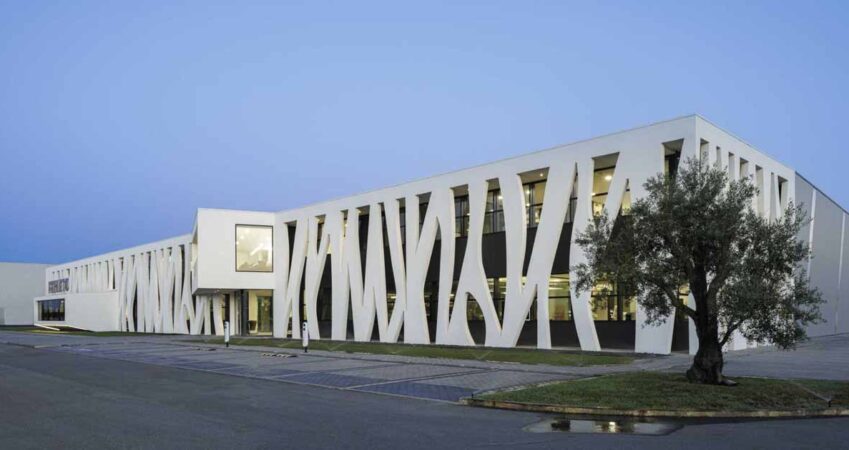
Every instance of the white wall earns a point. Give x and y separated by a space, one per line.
828 267
216 250
152 282
19 283
93 311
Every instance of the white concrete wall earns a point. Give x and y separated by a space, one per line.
828 268
216 250
152 282
93 311
19 283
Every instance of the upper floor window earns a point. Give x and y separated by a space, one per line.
494 213
461 216
534 196
254 248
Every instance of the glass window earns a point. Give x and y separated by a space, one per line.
461 215
473 310
494 218
604 301
51 310
260 312
611 303
601 180
253 248
559 305
498 290
601 186
534 195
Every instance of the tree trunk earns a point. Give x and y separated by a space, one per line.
707 365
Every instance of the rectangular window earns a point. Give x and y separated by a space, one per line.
254 248
611 303
559 304
601 184
260 312
51 310
493 221
534 196
461 216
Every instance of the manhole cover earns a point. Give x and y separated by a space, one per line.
278 355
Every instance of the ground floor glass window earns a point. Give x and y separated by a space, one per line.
51 310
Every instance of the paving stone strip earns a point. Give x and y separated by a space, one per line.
431 379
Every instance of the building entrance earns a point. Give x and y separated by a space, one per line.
253 312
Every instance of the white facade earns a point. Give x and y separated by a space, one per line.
18 284
187 284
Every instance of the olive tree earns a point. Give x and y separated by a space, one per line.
698 229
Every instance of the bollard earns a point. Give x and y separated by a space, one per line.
227 333
305 333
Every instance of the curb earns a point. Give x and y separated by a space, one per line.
563 409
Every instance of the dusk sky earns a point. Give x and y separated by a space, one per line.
119 119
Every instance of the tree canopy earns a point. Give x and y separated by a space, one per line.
698 231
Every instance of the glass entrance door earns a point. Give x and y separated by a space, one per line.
259 312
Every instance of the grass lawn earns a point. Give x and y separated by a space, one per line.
663 391
524 356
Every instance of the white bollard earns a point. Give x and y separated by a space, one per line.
305 332
227 333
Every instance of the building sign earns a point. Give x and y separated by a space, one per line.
56 286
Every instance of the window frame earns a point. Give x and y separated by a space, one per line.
51 310
236 247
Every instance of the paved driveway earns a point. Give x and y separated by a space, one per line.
443 380
424 378
55 399
824 357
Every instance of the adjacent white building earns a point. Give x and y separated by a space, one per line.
475 257
19 282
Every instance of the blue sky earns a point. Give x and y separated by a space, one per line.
119 119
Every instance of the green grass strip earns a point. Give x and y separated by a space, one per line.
663 391
515 355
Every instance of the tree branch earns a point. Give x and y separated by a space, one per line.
731 329
685 308
673 297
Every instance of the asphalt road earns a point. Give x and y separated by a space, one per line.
52 399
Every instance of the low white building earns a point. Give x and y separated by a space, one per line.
475 257
19 282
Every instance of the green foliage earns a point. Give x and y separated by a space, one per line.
698 230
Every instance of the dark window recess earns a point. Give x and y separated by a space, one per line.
51 310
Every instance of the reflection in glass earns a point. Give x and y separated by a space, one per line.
51 310
461 216
610 303
559 304
260 311
253 248
601 187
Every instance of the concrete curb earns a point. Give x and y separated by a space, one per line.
563 409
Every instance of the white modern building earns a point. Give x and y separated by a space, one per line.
475 257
